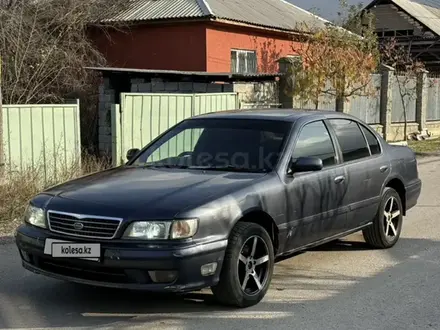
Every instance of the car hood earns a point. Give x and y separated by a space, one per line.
145 193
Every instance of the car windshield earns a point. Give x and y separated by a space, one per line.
219 144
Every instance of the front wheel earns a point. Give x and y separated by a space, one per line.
387 225
247 268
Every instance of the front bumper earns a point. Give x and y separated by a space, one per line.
123 264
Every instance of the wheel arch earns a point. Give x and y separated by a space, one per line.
397 184
266 221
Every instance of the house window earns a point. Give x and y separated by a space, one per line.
295 59
243 61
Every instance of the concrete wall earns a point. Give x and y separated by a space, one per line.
258 94
106 101
160 86
385 104
433 127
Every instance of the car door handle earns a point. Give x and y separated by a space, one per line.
339 179
383 168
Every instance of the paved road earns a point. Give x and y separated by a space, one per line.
343 285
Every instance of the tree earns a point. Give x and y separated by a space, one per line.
45 48
336 61
407 68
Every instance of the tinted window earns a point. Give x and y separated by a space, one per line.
314 141
350 139
372 141
249 145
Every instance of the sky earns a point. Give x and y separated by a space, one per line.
325 8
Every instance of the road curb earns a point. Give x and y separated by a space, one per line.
400 143
6 240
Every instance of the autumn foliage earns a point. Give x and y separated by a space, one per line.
335 61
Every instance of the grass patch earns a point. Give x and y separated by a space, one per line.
425 146
19 187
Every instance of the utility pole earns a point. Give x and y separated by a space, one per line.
2 156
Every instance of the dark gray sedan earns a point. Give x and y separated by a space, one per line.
217 199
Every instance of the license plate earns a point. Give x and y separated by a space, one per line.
66 249
76 250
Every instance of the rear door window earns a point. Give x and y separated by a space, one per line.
372 141
350 138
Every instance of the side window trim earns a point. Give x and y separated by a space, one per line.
336 145
296 138
365 139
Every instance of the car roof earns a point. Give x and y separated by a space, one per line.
290 115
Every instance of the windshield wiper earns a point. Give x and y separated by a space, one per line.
165 166
229 168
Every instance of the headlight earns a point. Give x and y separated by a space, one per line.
35 216
148 230
161 230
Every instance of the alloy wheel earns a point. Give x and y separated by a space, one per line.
392 217
253 265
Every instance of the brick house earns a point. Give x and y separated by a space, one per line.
205 35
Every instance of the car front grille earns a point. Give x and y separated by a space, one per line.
86 226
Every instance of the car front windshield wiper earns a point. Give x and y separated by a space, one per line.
228 168
152 165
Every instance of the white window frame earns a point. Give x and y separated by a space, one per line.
296 58
237 63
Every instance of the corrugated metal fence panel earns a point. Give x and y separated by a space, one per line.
367 107
299 104
433 107
404 98
145 116
326 101
206 103
41 137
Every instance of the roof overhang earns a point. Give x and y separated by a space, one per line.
186 75
225 21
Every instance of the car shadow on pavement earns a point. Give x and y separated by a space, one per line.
30 300
343 245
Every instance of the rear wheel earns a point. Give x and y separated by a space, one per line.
387 225
248 266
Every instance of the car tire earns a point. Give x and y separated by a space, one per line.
387 224
249 258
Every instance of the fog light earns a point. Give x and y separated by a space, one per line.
162 276
208 269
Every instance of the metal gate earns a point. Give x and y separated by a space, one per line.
142 117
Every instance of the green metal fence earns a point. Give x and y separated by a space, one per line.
41 137
142 117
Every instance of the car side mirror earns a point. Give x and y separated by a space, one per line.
132 153
306 164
